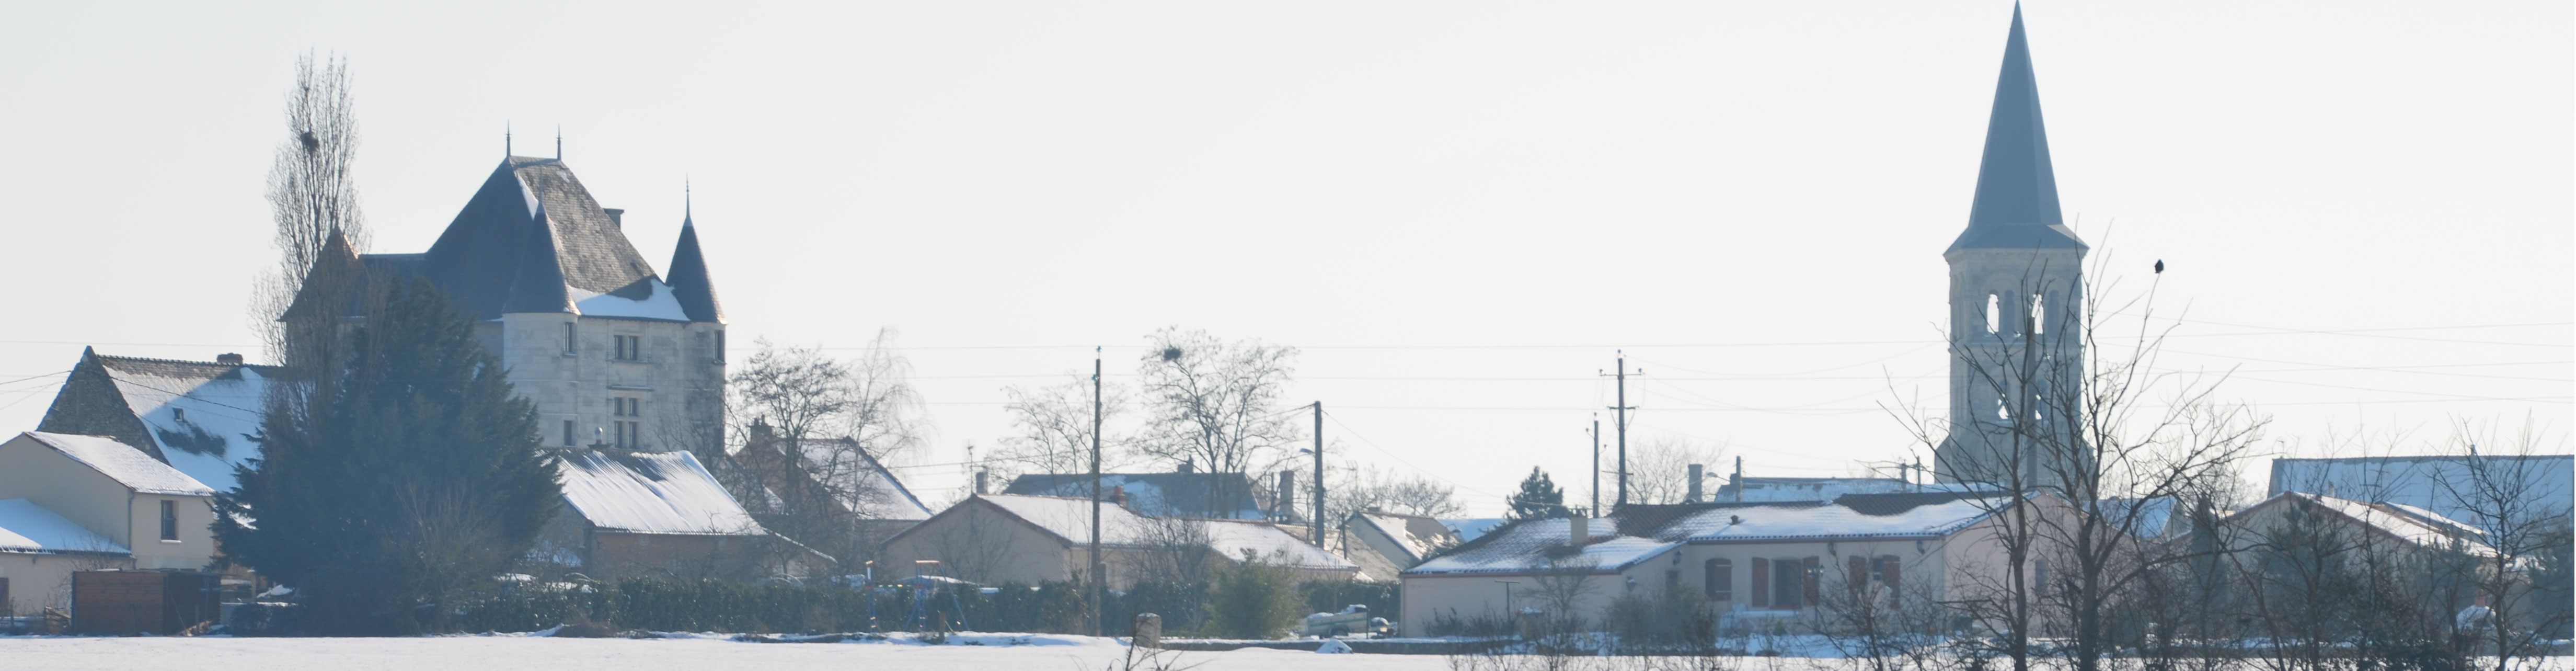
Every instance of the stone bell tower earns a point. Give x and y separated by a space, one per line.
2016 295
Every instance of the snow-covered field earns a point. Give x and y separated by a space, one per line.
503 653
499 653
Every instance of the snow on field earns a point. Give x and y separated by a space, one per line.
503 653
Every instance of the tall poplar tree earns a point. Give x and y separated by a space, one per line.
403 492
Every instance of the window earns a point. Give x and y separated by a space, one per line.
169 520
1792 583
629 348
1857 575
2039 577
1994 313
630 432
567 433
572 341
2038 314
1718 575
1888 574
719 346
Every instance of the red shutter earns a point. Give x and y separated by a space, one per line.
1761 587
1858 575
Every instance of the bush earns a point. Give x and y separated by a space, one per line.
1252 600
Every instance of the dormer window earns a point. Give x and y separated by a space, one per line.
179 414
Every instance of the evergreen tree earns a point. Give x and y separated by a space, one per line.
1538 498
416 480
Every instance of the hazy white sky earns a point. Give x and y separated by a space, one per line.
1459 210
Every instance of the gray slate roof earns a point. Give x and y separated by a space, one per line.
533 240
2016 205
1227 495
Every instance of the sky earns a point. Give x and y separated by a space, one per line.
1461 213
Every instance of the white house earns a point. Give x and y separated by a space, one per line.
72 503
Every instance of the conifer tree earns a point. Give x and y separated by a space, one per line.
417 480
1539 498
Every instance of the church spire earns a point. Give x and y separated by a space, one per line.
2016 202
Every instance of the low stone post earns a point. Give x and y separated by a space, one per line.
1149 631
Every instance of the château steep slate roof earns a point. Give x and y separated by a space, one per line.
533 240
2016 204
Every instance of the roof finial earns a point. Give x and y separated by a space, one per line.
505 139
558 142
688 202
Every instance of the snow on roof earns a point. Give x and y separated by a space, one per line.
2413 525
1418 535
660 304
650 492
1540 545
859 475
124 464
1852 516
1070 519
1766 489
201 414
27 527
1157 494
2548 482
1468 528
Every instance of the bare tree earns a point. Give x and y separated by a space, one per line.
313 201
1216 403
1051 428
820 489
1362 488
2107 430
1175 549
2525 528
1659 467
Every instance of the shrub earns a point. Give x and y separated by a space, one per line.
1252 600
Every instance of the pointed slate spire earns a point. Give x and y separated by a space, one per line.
2016 204
688 279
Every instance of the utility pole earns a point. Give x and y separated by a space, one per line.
1319 475
1622 423
1099 581
1596 460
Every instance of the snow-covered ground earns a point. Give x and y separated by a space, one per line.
1000 652
500 653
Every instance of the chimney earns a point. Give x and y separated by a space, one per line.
616 217
1186 466
1287 494
1118 495
228 358
1581 523
981 478
1695 471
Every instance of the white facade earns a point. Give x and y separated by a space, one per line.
131 512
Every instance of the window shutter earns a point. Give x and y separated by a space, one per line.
1761 587
1858 575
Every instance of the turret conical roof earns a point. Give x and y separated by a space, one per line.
689 281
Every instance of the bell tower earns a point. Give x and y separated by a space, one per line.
2016 295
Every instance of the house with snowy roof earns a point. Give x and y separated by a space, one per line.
76 503
833 478
2542 486
196 416
612 352
995 538
1404 539
1750 562
630 513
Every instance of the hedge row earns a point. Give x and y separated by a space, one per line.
1052 607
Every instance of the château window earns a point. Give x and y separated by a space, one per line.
630 432
720 353
1994 313
1719 576
567 433
630 348
2038 313
169 520
572 341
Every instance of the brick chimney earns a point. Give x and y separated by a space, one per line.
616 217
981 479
1580 524
1695 471
229 358
1287 494
1118 495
